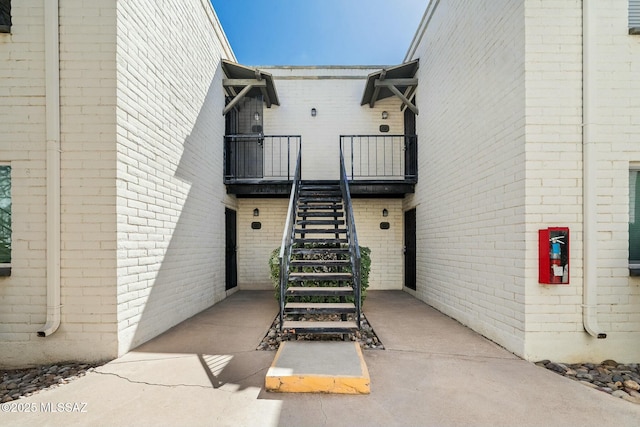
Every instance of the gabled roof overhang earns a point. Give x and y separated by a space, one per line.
396 81
241 81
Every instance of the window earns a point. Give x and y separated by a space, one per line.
634 222
5 16
5 220
634 16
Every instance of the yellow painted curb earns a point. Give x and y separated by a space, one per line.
282 380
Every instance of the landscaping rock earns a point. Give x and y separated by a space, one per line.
619 380
631 384
17 383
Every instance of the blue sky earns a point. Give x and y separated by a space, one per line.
320 32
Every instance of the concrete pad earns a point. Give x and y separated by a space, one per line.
434 372
404 323
319 367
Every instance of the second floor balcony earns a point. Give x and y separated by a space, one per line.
377 165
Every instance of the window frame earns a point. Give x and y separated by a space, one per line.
5 26
5 267
634 212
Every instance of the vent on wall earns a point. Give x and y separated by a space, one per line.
634 16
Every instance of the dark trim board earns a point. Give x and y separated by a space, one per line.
359 189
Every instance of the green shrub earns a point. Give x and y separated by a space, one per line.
365 268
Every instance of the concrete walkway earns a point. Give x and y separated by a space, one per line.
434 372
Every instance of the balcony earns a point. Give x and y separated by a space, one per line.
376 165
260 165
381 165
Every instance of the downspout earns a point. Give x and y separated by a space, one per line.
52 118
589 180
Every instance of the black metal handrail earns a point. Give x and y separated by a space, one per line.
265 157
381 157
288 236
352 237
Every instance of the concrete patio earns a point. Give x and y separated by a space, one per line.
434 372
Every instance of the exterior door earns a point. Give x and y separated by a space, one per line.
410 249
247 149
231 261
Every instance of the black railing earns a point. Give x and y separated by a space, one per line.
288 236
352 237
380 157
260 157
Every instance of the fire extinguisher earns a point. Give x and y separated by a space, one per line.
555 260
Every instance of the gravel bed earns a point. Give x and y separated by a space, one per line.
366 336
17 383
619 380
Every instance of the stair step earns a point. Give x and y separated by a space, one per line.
320 207
314 241
320 199
321 230
319 308
320 291
299 277
319 251
307 186
320 263
312 196
320 189
338 327
321 222
321 214
325 191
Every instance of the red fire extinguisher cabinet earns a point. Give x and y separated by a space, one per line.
553 256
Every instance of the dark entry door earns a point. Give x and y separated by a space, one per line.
410 249
231 262
245 152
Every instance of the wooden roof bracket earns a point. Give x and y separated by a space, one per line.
263 89
408 94
392 85
376 91
247 85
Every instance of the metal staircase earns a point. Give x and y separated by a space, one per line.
320 261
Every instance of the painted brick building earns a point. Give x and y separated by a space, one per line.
117 196
113 142
520 99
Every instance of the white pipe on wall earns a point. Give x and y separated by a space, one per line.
589 179
52 118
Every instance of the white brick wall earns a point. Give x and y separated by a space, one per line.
255 246
501 157
335 93
87 91
551 334
142 224
386 246
470 197
554 164
169 143
22 301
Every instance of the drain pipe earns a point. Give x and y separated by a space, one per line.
52 118
589 180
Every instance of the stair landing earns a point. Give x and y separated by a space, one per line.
318 367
